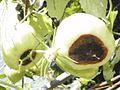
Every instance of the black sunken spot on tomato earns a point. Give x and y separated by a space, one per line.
26 60
88 49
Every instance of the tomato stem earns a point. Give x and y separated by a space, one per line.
116 33
110 9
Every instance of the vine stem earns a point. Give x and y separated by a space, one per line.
116 33
10 85
110 3
27 4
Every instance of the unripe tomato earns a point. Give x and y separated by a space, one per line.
16 48
13 75
86 42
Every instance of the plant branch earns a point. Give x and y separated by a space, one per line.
106 86
59 80
110 9
116 33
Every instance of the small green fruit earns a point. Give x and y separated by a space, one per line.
13 75
18 45
85 41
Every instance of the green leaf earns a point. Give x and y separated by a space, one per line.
85 81
111 18
109 66
95 7
2 88
73 7
2 76
116 58
56 8
108 71
41 23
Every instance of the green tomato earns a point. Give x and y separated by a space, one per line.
17 47
85 41
13 75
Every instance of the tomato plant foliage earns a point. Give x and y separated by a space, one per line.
41 39
98 8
